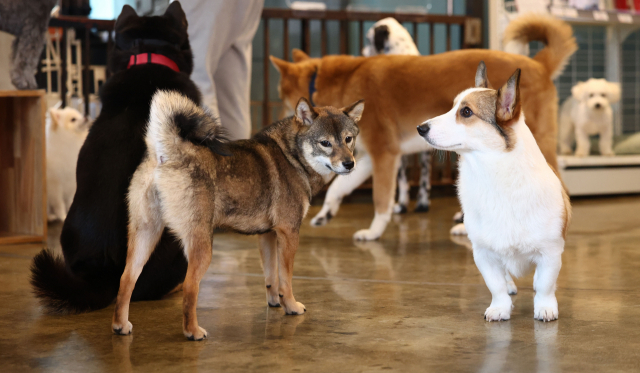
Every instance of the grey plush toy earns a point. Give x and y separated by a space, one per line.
28 21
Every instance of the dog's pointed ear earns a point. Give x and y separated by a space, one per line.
614 92
354 111
175 12
305 112
127 14
577 91
298 55
481 76
280 64
55 118
508 101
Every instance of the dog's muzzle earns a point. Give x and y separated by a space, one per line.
423 129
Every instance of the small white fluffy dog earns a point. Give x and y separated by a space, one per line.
516 210
588 112
66 130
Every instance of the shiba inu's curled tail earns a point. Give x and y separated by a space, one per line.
554 33
176 124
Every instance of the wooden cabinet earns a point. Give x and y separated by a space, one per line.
23 198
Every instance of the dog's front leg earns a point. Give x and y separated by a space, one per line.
494 275
384 184
545 304
287 247
583 145
269 256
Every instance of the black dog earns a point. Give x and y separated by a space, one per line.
94 235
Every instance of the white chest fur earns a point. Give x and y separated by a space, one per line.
512 201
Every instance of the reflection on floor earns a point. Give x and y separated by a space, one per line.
411 302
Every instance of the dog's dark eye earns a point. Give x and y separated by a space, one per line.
73 120
348 139
591 95
466 112
603 95
325 143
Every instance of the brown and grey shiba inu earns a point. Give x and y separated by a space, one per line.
264 187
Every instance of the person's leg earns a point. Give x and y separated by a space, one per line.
209 38
233 74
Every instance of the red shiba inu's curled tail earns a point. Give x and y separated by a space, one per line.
177 123
556 34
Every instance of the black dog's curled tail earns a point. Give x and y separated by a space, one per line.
61 292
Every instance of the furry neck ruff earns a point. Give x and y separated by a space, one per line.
144 58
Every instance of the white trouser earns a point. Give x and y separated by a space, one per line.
221 33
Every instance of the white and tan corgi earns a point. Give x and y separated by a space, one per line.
516 210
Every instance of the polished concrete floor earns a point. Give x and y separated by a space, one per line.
411 302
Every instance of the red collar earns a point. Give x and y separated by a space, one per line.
144 58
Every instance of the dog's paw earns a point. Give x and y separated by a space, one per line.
399 209
321 219
421 208
365 235
545 313
582 153
120 329
199 335
458 230
497 314
458 217
512 288
298 309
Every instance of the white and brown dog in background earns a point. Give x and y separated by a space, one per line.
516 210
66 130
588 112
388 36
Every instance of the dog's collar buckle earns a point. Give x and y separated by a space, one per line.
145 58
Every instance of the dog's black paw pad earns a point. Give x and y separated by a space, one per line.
318 222
119 331
329 216
402 209
421 208
273 305
293 313
513 293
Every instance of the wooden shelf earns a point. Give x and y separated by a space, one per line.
23 198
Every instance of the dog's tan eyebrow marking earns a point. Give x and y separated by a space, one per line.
483 105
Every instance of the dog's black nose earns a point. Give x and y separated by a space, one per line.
423 129
349 165
598 106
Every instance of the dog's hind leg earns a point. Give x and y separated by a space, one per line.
342 186
144 233
145 230
511 286
403 187
287 247
269 256
545 304
423 202
198 248
606 140
384 184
